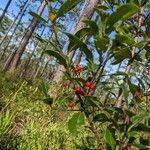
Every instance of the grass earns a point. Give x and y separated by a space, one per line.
26 123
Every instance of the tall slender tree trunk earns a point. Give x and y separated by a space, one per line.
11 26
10 57
14 22
90 6
38 66
24 72
5 10
18 53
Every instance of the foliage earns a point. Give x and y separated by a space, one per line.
123 106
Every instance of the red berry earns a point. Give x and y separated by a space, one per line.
65 84
78 90
88 84
137 93
92 86
77 69
128 147
71 104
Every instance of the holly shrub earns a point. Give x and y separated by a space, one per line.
109 89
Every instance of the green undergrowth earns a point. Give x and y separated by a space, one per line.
27 123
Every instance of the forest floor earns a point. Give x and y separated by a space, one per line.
27 123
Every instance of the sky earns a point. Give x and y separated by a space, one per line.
11 7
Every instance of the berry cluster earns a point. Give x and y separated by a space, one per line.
87 87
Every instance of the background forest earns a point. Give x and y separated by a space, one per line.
74 75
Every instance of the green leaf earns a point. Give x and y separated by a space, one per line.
125 39
110 139
101 118
132 134
60 57
43 87
101 43
38 37
125 92
142 127
137 119
80 34
75 122
119 73
132 87
67 6
133 1
147 55
93 101
37 16
122 13
121 54
77 79
114 109
83 47
93 26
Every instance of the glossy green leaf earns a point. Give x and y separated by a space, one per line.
101 43
133 1
80 34
101 118
110 139
122 13
60 57
76 121
67 6
141 127
121 54
147 55
119 73
125 39
77 79
125 90
40 39
138 118
93 26
83 47
37 16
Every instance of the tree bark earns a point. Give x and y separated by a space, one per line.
5 10
18 53
90 6
11 26
5 48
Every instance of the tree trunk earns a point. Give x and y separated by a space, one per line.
23 74
89 9
38 66
18 53
13 23
5 10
